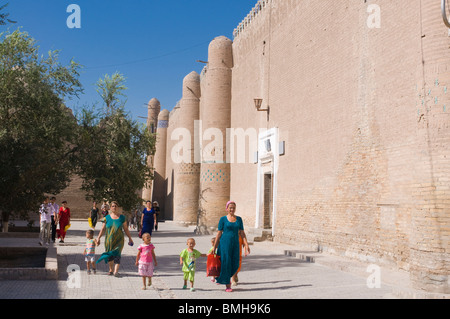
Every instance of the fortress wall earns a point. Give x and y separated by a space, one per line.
365 123
76 199
430 219
291 69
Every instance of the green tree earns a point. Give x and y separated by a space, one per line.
37 131
112 155
4 16
110 88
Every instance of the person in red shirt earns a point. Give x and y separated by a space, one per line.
64 220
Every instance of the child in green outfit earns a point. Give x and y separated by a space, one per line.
187 258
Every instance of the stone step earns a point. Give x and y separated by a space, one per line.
308 256
258 235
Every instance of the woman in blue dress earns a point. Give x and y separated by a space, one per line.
230 229
148 219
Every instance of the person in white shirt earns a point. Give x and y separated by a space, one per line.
45 221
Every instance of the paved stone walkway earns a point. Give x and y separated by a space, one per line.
267 273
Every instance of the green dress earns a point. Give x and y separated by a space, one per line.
228 249
114 238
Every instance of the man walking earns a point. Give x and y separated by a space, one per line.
54 210
45 221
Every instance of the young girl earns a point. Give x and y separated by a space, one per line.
146 259
89 251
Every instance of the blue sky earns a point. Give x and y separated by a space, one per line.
153 43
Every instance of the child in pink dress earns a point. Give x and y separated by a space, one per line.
146 259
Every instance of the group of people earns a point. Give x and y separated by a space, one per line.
147 220
54 221
227 244
114 226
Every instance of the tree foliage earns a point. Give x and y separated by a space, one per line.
113 152
4 16
36 131
42 144
110 88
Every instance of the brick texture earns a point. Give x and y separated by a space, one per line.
365 117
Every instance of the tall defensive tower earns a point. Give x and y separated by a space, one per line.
154 108
159 182
215 114
185 200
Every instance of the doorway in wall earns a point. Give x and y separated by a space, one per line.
268 201
266 182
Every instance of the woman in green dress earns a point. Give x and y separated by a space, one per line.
230 229
114 226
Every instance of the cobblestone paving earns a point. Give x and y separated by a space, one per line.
266 274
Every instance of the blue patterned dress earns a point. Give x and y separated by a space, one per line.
114 239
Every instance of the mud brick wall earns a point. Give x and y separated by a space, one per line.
365 115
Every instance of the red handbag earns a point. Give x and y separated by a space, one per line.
213 266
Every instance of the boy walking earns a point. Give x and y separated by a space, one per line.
187 258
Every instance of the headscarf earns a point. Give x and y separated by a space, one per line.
230 202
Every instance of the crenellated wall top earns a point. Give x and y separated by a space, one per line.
258 8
